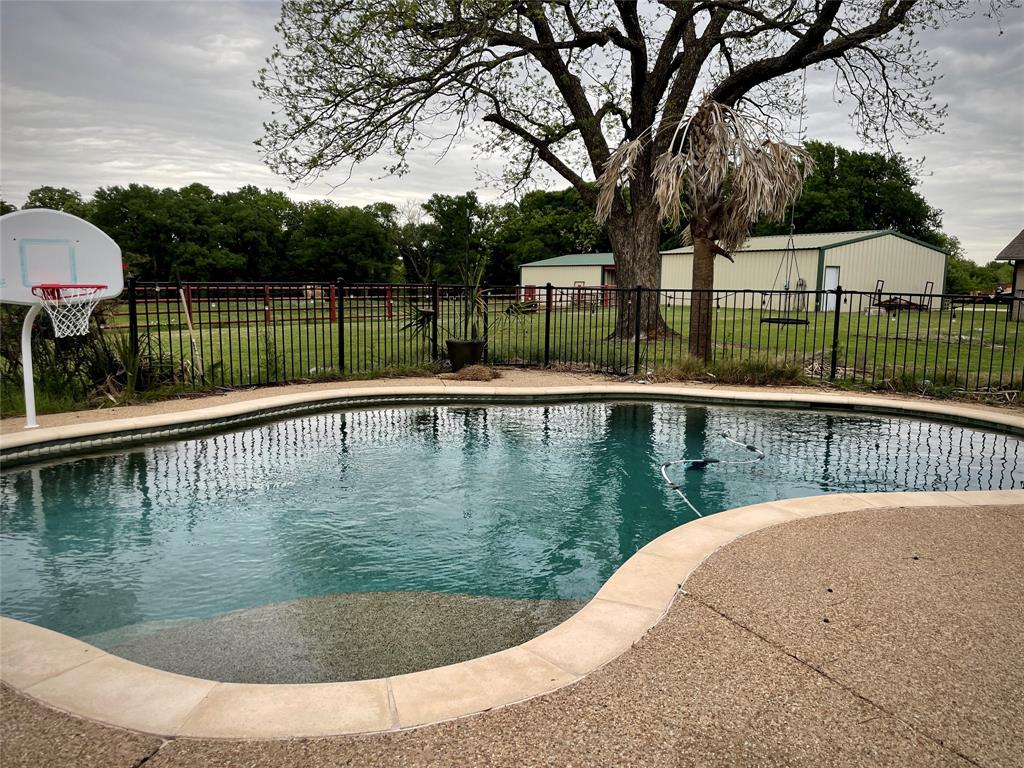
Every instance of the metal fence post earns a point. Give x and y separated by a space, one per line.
482 296
638 298
339 289
835 331
547 324
133 319
435 298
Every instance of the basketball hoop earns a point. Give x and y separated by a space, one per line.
69 306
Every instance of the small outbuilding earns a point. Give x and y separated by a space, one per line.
868 261
587 270
1014 253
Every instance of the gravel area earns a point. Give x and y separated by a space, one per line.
878 637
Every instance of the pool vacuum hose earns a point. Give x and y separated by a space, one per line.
706 461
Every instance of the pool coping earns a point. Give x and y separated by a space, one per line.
87 682
48 443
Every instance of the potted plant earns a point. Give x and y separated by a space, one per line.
469 349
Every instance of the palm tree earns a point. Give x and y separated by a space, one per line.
722 171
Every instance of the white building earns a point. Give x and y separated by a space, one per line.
575 269
858 261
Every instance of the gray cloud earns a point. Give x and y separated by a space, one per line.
95 94
974 168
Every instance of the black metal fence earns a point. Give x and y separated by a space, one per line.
244 334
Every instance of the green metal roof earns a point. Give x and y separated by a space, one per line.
576 260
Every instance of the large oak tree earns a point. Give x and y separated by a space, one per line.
563 83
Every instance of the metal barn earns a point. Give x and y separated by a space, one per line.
858 261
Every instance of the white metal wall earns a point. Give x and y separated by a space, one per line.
905 266
561 276
752 269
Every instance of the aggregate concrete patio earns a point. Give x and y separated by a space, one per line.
870 637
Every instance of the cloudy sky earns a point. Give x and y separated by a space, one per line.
95 94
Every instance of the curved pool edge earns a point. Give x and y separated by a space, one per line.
87 682
49 443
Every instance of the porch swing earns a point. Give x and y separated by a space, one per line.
792 304
792 309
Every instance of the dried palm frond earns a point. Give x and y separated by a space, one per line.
721 172
618 171
723 169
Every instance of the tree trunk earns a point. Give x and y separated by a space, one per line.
703 297
635 237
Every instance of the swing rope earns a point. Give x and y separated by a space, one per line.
789 259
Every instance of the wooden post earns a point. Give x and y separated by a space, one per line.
133 317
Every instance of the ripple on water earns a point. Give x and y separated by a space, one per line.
526 503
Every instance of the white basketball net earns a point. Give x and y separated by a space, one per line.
69 306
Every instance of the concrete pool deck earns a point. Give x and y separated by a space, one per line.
635 605
874 636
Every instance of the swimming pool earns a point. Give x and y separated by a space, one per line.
528 509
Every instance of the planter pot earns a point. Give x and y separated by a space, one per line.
463 352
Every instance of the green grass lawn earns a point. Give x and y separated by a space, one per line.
972 348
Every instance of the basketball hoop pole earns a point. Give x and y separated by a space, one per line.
26 366
58 262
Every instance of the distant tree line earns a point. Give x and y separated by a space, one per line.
193 233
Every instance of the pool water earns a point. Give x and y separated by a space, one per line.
536 503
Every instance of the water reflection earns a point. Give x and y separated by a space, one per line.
531 502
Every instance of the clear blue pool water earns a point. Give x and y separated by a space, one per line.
524 502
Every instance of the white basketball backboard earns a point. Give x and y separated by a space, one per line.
40 246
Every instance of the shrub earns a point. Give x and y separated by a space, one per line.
78 371
685 369
937 386
758 371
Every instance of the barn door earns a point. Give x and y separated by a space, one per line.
831 283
